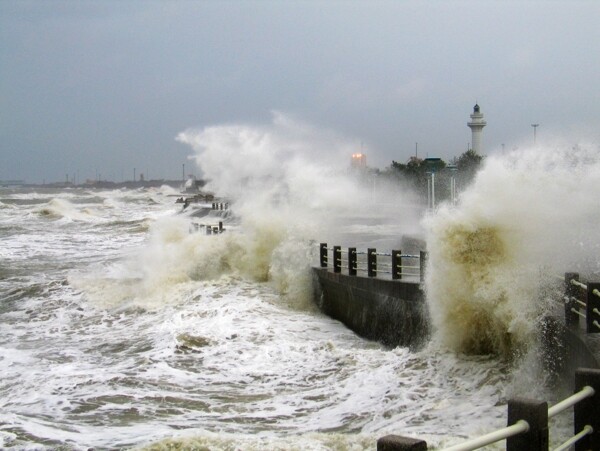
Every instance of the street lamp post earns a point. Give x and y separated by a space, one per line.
453 168
431 162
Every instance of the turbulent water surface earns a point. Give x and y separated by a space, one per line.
120 329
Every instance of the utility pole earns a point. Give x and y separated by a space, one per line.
535 126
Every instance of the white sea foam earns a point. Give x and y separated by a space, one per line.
176 338
63 209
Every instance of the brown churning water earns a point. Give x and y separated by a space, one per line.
529 217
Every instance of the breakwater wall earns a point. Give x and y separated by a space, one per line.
389 311
571 332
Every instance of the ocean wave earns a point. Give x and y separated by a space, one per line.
529 215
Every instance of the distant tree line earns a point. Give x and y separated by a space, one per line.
416 172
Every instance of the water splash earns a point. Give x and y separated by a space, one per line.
288 182
529 214
58 208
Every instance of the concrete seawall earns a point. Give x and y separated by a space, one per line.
565 349
391 312
395 313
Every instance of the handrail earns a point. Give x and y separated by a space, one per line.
587 429
374 267
578 284
522 426
585 392
519 427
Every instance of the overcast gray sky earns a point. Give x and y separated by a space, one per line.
102 87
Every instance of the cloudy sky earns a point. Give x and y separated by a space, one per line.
97 88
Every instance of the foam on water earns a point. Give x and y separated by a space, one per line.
61 208
111 337
530 215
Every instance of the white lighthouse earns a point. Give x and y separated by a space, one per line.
476 125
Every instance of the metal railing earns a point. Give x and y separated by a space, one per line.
582 300
211 229
527 428
367 261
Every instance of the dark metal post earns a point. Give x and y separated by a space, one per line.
399 443
571 293
592 313
220 226
422 265
372 262
323 255
352 261
337 258
396 265
536 415
587 412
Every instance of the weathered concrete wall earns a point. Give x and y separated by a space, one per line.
391 312
564 349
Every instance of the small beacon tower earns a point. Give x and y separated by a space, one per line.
476 125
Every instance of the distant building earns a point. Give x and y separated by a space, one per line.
359 160
476 125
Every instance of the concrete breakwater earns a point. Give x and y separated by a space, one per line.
389 311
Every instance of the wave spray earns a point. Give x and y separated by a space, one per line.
288 183
529 216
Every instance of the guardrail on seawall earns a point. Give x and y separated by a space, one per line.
582 300
527 428
367 261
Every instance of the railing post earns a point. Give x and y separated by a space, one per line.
422 265
536 415
396 265
352 261
571 293
587 411
399 443
323 255
337 259
372 262
592 319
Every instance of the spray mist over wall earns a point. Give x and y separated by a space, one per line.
530 215
289 183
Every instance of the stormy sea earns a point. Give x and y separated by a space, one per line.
123 325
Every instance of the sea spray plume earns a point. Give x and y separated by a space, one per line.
288 181
531 209
286 162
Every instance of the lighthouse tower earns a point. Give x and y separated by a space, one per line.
476 125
